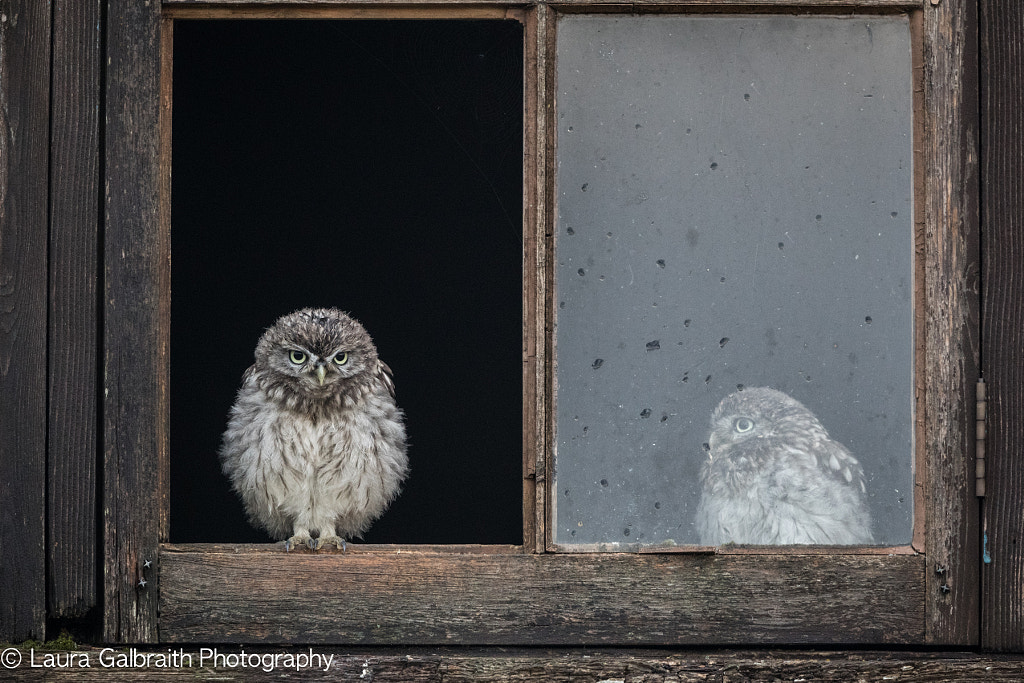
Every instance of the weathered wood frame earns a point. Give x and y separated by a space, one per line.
24 104
1002 210
927 593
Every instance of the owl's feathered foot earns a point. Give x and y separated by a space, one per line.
324 541
299 539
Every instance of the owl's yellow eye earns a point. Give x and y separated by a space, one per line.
743 424
297 357
341 358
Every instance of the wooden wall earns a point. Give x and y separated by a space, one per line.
1002 213
136 302
24 178
456 665
58 109
49 224
75 219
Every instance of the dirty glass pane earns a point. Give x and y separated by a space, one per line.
734 212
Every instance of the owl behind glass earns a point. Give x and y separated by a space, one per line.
774 476
315 444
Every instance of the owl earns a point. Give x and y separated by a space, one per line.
315 444
774 477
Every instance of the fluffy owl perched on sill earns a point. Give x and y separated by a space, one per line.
773 476
315 444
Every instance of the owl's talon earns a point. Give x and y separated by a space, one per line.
297 540
334 540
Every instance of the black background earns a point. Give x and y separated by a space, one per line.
375 167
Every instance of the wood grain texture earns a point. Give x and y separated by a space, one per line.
434 665
951 319
136 313
399 597
450 9
541 85
163 266
173 8
418 665
73 328
1002 209
24 138
544 80
773 6
329 4
534 292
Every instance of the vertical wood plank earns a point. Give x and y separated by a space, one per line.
545 261
539 108
164 237
136 312
951 319
1002 208
24 138
73 326
534 410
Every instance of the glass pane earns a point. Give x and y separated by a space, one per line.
734 212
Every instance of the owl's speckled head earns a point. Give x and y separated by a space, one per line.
759 413
316 353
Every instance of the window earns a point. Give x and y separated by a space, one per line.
375 166
529 593
734 211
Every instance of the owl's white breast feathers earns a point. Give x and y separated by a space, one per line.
337 471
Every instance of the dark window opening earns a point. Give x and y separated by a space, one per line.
375 166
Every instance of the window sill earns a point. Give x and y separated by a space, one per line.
498 595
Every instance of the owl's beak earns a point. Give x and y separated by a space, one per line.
321 373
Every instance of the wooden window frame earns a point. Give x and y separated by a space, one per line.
924 593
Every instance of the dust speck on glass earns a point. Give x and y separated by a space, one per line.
734 281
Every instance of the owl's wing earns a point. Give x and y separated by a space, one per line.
839 463
386 377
